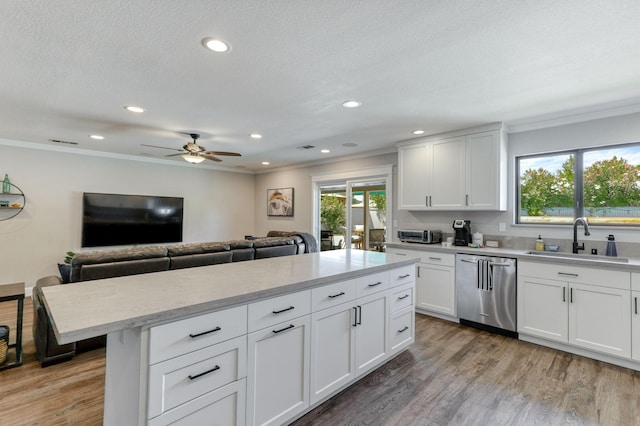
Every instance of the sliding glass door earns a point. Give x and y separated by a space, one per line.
352 212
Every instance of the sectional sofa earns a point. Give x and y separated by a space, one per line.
95 265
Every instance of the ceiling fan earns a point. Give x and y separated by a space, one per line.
194 153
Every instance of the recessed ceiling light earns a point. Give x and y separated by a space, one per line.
216 44
325 151
97 137
255 136
265 163
418 132
134 109
351 104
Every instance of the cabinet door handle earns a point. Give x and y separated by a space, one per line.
571 295
331 296
406 327
567 274
466 199
283 329
193 336
635 299
403 297
355 316
375 284
404 276
426 201
216 368
564 294
359 314
283 310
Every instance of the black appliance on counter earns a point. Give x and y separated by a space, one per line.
462 228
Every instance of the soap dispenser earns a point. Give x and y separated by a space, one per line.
539 243
611 246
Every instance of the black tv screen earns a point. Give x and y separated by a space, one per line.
114 219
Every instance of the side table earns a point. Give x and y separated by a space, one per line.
9 292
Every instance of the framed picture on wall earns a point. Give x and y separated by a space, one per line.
280 202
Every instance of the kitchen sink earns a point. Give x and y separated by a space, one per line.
571 256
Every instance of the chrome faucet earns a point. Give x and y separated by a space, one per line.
583 221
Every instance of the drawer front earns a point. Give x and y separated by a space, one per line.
402 297
269 312
403 275
226 405
180 337
372 283
402 329
332 295
436 258
178 380
576 274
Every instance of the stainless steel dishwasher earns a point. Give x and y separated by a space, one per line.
486 292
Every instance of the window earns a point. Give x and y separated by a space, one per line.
602 184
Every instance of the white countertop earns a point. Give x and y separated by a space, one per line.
93 308
633 265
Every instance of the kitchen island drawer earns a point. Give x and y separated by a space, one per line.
273 311
606 277
404 275
402 297
178 380
401 329
372 283
190 334
332 295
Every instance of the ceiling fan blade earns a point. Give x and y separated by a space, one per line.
232 154
209 157
174 155
161 147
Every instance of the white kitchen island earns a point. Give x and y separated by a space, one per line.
258 342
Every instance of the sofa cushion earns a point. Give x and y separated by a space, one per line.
197 248
123 268
81 260
200 259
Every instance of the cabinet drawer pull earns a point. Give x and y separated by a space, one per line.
283 329
375 284
283 310
567 274
406 327
404 276
331 296
403 297
216 368
400 254
435 258
193 336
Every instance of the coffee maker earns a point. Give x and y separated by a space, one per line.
462 228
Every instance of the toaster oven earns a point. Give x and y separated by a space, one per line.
420 236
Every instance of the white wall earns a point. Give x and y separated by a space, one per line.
218 205
300 180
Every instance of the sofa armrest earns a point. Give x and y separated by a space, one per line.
48 281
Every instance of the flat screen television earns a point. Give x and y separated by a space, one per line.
116 219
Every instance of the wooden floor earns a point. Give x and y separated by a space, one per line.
452 375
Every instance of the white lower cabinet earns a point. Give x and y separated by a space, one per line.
585 307
436 284
371 331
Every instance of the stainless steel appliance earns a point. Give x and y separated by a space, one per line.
462 229
486 292
420 236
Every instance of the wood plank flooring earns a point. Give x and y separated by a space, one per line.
452 375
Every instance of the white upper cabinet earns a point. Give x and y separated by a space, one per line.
461 171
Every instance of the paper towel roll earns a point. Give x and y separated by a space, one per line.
476 238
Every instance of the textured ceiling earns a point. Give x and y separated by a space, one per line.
69 67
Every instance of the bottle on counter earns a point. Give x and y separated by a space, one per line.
540 244
6 184
611 246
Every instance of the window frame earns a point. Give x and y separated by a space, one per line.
578 184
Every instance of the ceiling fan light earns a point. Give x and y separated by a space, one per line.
194 159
